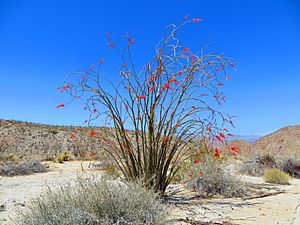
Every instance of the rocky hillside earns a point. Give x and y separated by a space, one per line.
26 137
285 141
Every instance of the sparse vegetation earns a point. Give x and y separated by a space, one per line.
21 167
91 202
276 176
46 141
217 182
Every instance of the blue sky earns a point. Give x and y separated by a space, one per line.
41 41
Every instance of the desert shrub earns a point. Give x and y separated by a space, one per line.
217 182
258 165
276 176
96 202
164 104
62 157
24 167
290 166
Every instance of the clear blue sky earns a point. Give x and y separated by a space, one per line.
41 41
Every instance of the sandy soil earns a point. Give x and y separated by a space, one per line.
278 208
281 209
16 191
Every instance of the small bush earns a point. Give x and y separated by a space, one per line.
91 202
276 176
258 165
218 182
290 166
62 157
25 167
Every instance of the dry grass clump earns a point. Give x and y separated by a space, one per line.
217 182
91 202
23 167
276 176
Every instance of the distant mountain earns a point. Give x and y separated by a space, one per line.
250 138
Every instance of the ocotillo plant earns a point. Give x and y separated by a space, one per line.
155 113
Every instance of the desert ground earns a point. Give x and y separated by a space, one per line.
278 205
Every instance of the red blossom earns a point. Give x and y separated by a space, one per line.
225 129
196 20
165 139
60 105
180 72
228 77
101 61
235 148
231 135
209 129
234 155
153 77
203 95
232 64
151 88
139 118
217 69
217 153
222 135
92 66
193 107
217 137
174 81
92 134
220 84
167 86
63 88
92 154
186 50
131 41
126 131
94 110
141 96
197 160
111 44
193 59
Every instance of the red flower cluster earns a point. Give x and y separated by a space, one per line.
92 134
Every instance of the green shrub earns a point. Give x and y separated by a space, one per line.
91 202
217 182
276 176
24 167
